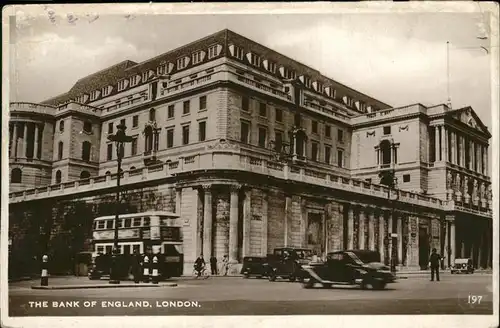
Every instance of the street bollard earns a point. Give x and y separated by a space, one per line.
45 271
154 273
145 272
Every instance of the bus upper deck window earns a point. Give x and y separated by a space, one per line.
100 224
136 222
108 249
94 226
146 222
128 223
109 224
120 223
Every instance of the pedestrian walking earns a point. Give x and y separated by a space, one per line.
434 262
213 264
136 266
225 264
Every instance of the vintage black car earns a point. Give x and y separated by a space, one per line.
254 266
286 262
351 267
462 265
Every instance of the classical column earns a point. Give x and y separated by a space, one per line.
247 217
452 242
264 223
350 228
399 227
485 160
361 229
389 232
207 221
479 158
288 217
14 140
462 162
35 146
25 140
233 224
371 230
444 134
471 155
437 150
446 244
453 136
381 235
178 197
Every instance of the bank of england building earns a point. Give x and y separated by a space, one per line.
253 150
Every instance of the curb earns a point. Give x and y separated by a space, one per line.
103 286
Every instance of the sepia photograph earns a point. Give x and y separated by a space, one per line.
198 162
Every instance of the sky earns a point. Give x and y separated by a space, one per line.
399 59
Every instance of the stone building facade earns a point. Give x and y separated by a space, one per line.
254 151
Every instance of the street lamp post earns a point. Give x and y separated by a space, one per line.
119 138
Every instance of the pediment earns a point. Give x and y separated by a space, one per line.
468 117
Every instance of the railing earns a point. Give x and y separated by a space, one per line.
327 111
79 107
263 87
386 113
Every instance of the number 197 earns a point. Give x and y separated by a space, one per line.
473 299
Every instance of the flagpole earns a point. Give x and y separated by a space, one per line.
448 72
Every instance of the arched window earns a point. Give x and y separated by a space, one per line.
58 176
107 173
148 140
386 150
60 148
87 126
132 168
86 151
16 175
84 175
61 126
152 115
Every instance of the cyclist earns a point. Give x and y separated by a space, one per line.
199 265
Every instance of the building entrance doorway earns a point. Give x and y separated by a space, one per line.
423 247
315 233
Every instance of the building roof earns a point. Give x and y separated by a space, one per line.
127 68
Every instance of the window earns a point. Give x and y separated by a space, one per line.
185 107
185 134
340 158
58 176
202 131
152 115
203 102
106 90
270 66
314 127
236 51
135 121
387 130
170 138
84 175
137 222
16 175
122 122
340 135
406 178
101 223
279 115
134 80
94 95
278 143
128 223
145 76
328 131
110 152
60 148
244 132
328 151
212 52
61 126
171 111
255 60
386 149
314 151
263 109
122 85
182 62
133 147
262 137
245 104
86 151
369 180
87 127
197 57
110 128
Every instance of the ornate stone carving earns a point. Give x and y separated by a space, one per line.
206 187
449 179
223 144
235 188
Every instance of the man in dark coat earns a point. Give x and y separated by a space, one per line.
199 265
213 264
136 266
434 262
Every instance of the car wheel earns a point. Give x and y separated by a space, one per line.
300 279
245 275
291 278
378 285
308 283
272 277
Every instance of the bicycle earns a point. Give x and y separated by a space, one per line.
203 273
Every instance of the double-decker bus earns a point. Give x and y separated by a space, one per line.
154 233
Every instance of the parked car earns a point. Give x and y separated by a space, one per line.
286 262
351 267
254 266
462 265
